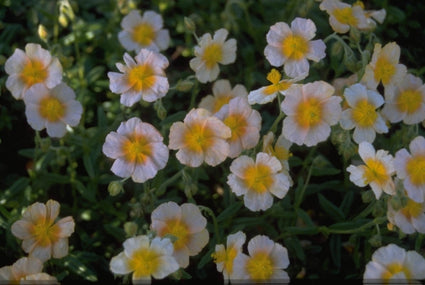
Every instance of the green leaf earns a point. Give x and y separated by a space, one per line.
229 212
302 231
75 265
333 211
346 202
335 249
87 193
293 244
304 217
27 152
88 165
347 226
17 187
205 259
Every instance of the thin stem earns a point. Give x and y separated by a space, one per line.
212 215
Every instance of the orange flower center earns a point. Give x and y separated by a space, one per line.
220 101
142 77
45 232
237 124
198 137
178 229
144 34
258 178
137 149
33 72
309 113
51 109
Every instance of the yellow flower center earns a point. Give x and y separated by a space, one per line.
281 153
364 114
384 70
178 229
220 101
227 257
415 168
237 124
409 101
198 137
345 16
51 109
309 113
137 149
212 55
258 178
260 266
144 262
33 72
144 34
141 77
394 268
44 232
412 209
294 47
375 171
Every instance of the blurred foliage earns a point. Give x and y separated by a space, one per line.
324 221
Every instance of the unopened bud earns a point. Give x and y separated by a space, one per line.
184 85
375 241
368 196
130 228
62 20
161 112
42 32
115 188
189 24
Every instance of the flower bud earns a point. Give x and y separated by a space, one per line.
130 228
115 188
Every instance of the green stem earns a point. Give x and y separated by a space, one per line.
167 182
302 192
212 215
374 222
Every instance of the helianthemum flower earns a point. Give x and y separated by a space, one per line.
411 168
244 122
405 101
224 256
410 218
145 259
343 16
143 32
311 110
293 46
258 180
376 172
266 262
186 224
200 137
392 263
52 109
138 150
268 93
26 269
362 114
384 66
142 78
35 65
280 150
210 52
44 237
222 94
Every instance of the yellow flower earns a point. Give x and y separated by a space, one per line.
222 94
200 137
210 52
35 65
293 46
311 110
141 78
52 109
266 262
42 236
376 172
138 150
224 257
145 258
393 263
244 123
258 180
26 269
410 167
143 32
186 224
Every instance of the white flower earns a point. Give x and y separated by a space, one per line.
138 150
210 52
258 180
35 65
52 109
280 150
392 263
362 114
410 218
143 32
25 269
293 46
142 78
145 259
343 16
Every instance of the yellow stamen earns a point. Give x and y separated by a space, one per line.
415 168
384 70
295 47
144 262
33 72
137 149
212 55
394 268
51 109
144 34
309 113
198 137
364 114
375 171
45 232
345 16
227 257
258 178
260 266
141 77
409 101
412 209
237 124
178 229
220 101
